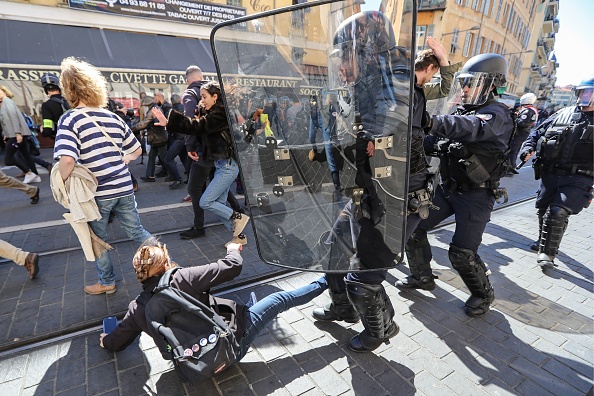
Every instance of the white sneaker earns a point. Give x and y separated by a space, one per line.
31 178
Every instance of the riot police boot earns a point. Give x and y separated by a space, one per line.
474 274
412 282
536 244
377 313
478 306
554 225
418 254
339 309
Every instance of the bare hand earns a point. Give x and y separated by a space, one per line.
370 148
440 52
158 114
19 138
193 155
101 337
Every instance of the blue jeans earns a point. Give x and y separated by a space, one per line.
125 209
264 311
177 148
326 135
214 197
152 157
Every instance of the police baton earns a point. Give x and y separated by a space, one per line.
521 164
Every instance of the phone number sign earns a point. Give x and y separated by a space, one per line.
172 10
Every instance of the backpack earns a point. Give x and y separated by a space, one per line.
33 130
188 332
63 103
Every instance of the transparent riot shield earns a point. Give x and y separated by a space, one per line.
318 101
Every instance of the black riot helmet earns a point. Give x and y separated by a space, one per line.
50 82
362 41
473 84
585 92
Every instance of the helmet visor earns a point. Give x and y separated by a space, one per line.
342 67
470 88
585 97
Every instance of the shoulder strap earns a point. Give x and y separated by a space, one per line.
165 279
102 130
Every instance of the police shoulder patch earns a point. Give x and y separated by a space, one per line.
485 117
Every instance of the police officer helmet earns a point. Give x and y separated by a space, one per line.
257 103
585 92
528 99
474 83
361 37
50 82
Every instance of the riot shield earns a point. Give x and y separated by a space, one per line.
318 98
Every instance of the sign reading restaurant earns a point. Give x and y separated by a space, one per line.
171 10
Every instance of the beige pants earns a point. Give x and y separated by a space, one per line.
12 253
11 182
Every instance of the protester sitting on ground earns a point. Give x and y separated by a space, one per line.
99 140
26 259
213 128
16 135
152 260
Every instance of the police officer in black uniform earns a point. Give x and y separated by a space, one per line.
526 117
361 294
564 165
53 108
473 147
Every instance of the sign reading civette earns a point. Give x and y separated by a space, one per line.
171 10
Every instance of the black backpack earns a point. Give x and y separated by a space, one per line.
188 332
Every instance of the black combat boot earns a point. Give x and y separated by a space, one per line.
554 225
473 272
339 309
536 244
418 253
376 312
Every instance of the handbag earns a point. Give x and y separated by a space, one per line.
157 136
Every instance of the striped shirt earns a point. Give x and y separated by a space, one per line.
79 138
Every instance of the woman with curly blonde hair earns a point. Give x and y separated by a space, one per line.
16 135
94 137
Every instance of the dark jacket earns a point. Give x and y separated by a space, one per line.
196 281
51 111
212 127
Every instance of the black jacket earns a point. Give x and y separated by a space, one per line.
212 127
196 281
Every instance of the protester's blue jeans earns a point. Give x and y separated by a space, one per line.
214 197
127 214
326 135
265 310
177 149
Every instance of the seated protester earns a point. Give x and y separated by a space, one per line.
152 260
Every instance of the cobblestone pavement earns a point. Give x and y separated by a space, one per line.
536 340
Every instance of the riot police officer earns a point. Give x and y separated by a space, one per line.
526 117
473 147
372 94
53 108
564 165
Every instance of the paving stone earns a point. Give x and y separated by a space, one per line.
101 379
13 368
236 386
299 348
529 387
361 383
462 386
569 376
71 367
43 389
547 381
427 384
41 366
133 380
268 347
270 386
328 380
170 383
430 363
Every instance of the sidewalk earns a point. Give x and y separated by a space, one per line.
537 339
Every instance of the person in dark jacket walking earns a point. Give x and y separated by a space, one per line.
152 260
213 129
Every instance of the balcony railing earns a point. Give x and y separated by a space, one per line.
431 4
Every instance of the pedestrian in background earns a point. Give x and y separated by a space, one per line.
16 136
82 138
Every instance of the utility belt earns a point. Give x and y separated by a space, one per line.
566 170
420 201
500 193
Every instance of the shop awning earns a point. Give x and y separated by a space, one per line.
44 44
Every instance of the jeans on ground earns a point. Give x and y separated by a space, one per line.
214 197
177 148
127 213
264 311
152 157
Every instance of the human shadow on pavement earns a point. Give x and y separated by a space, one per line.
366 373
492 353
